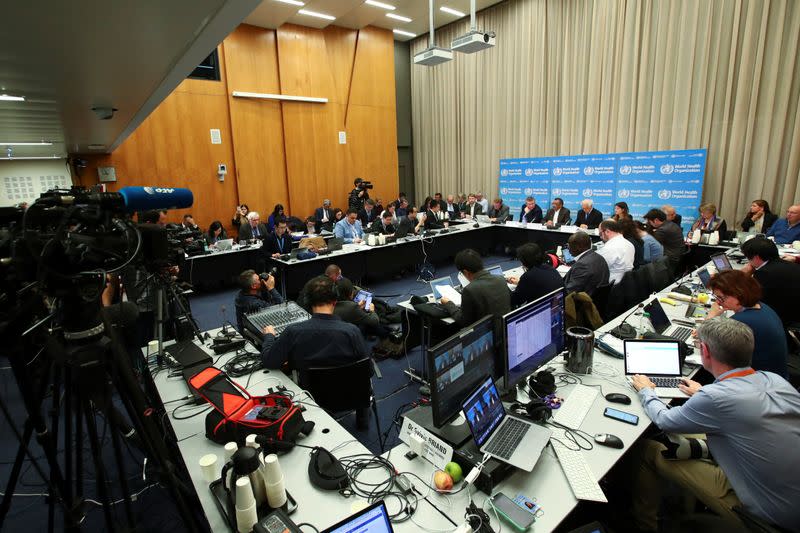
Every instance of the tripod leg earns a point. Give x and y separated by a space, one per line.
102 488
123 480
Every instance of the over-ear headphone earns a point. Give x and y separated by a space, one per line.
536 410
542 383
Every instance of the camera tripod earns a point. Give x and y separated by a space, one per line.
84 366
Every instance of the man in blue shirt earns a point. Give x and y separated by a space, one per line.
349 228
787 230
752 422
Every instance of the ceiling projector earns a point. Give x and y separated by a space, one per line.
474 41
433 55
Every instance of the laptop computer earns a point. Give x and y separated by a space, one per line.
482 218
335 244
663 325
721 261
187 353
225 244
705 277
506 438
659 360
371 519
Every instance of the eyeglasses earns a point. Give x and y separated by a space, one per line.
720 297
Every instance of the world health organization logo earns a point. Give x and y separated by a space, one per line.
503 191
528 192
667 169
664 194
623 193
529 172
557 171
625 170
588 171
504 172
555 192
588 193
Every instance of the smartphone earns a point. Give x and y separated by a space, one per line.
622 416
366 296
521 519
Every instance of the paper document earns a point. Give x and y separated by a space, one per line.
450 293
562 269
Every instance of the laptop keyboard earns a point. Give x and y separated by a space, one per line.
505 442
666 383
681 333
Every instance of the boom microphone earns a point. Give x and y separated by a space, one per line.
128 198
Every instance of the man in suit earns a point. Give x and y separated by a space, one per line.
402 208
383 225
485 295
324 216
411 223
473 208
672 215
451 208
434 219
499 212
557 215
669 234
278 242
588 217
779 280
530 212
349 228
368 214
366 320
254 230
589 270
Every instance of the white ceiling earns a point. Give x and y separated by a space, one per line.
356 14
68 57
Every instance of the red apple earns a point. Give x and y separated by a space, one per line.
442 480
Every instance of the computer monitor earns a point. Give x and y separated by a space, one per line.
534 334
456 366
721 261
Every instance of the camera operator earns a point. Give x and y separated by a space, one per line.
359 194
258 291
154 216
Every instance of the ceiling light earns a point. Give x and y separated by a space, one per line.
315 14
40 143
31 157
452 11
380 5
398 17
292 2
9 98
406 33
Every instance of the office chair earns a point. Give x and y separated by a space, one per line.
345 388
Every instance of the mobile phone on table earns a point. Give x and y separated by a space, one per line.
622 416
521 519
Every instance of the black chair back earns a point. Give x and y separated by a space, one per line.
341 388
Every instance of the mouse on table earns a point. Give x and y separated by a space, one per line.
606 439
618 397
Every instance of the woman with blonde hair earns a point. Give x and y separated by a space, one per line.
709 222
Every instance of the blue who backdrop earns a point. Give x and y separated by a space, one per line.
642 179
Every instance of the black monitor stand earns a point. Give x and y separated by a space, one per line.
453 434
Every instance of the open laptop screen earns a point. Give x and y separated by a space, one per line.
372 519
658 317
483 411
721 261
652 358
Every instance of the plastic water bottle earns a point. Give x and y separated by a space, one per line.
642 329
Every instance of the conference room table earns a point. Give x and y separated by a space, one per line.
547 483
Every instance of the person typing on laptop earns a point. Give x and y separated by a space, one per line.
752 422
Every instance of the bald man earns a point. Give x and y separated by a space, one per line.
588 216
672 215
787 230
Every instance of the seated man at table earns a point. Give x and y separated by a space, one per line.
588 217
349 228
499 212
484 295
530 212
540 277
787 230
278 242
557 215
412 222
473 208
434 218
254 229
451 208
368 213
589 270
779 280
324 216
311 226
322 340
366 320
383 225
752 423
256 293
671 214
618 252
669 234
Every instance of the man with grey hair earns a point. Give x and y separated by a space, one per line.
324 216
588 217
254 230
672 215
752 422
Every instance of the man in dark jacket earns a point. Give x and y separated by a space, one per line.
588 217
356 313
434 219
539 278
530 212
256 293
779 280
669 234
557 215
279 242
254 229
383 225
485 295
589 270
499 212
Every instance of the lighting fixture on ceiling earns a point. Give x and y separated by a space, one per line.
11 98
315 14
40 143
291 2
31 157
406 33
380 5
452 11
398 17
433 55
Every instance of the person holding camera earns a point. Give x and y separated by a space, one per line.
358 195
257 292
240 217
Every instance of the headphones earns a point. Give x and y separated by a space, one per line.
536 410
542 383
